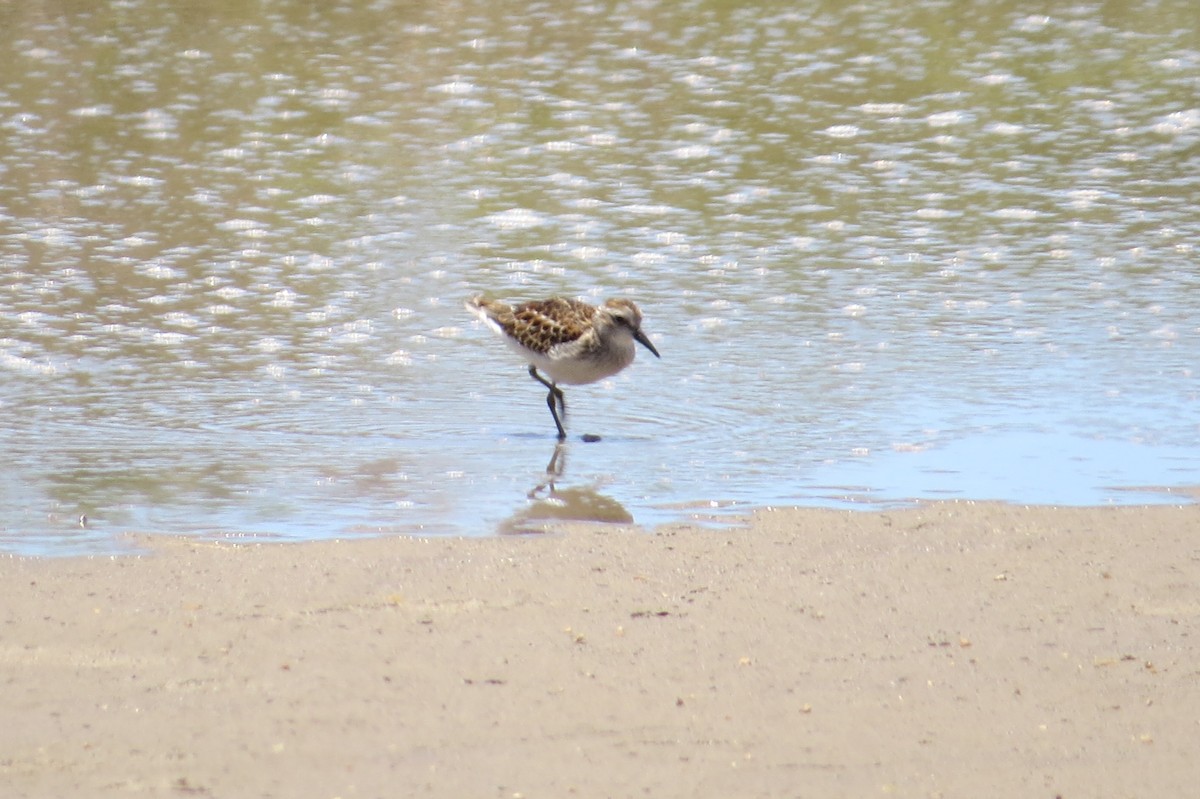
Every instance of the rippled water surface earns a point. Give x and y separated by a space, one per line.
888 250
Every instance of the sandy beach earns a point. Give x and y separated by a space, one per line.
947 650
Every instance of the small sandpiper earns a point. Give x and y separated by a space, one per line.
569 340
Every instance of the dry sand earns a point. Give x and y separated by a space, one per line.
959 650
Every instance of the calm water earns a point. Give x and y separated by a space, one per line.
888 250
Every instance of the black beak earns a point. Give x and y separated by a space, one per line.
640 338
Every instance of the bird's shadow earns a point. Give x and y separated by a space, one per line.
549 502
586 438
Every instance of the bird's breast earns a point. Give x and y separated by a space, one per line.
587 364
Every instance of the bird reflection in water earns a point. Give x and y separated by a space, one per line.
548 503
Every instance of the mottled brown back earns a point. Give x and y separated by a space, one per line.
543 324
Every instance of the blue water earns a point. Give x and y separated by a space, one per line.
888 252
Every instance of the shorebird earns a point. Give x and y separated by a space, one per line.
572 342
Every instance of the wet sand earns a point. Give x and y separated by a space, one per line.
949 650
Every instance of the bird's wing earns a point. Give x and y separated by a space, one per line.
542 325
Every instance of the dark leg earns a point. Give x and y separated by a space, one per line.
555 394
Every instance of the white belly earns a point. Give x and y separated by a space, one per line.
573 368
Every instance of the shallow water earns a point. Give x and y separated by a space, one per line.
888 251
